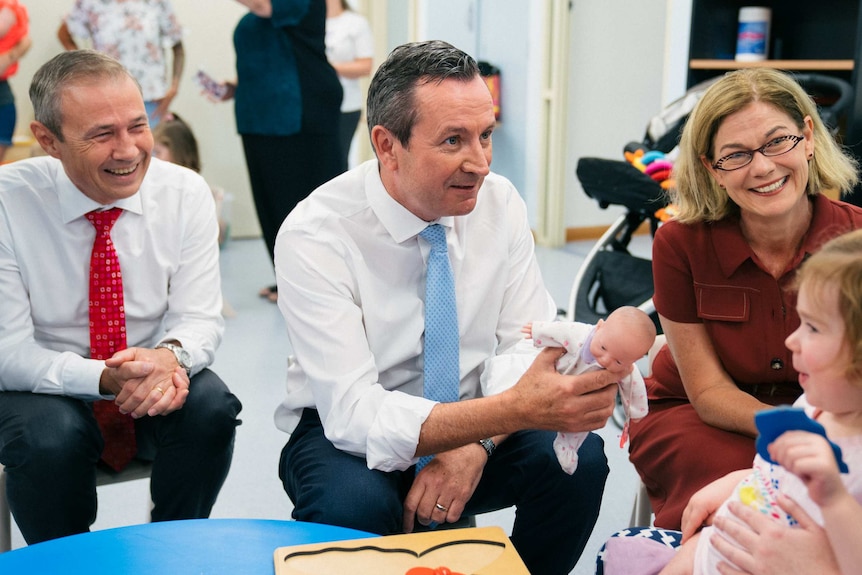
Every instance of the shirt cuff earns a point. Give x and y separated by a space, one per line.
394 435
81 379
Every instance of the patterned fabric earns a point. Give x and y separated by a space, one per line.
134 32
442 371
108 335
637 551
16 32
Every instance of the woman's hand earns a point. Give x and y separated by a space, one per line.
262 8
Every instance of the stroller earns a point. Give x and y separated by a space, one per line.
611 276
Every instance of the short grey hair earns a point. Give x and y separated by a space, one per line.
391 93
63 70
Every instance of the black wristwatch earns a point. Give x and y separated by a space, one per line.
184 358
489 445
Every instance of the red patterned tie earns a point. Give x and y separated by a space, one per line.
108 335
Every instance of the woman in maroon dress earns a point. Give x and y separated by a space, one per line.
754 159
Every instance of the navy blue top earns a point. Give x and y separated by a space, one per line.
284 82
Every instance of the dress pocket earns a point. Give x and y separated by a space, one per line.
723 303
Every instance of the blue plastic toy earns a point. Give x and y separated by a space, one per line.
773 422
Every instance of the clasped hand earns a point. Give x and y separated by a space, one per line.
145 381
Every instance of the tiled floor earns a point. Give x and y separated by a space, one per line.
252 360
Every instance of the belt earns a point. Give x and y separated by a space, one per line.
772 389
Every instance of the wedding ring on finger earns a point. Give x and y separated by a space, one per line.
159 389
441 508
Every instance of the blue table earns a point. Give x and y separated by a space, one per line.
196 547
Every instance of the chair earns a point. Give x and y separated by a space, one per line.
641 510
137 469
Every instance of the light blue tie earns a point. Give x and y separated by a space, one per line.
442 367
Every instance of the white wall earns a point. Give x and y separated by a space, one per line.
498 31
617 82
615 87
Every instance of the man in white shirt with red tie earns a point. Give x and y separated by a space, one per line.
55 365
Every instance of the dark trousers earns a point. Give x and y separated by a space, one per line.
283 170
346 130
50 446
555 515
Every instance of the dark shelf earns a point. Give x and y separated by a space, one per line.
822 38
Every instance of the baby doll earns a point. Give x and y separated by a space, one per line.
614 344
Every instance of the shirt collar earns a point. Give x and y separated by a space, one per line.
732 250
74 203
401 223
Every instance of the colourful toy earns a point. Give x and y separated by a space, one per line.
773 422
653 163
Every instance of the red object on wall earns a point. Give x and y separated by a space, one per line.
491 75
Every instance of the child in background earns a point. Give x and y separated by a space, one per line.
175 142
14 43
614 344
827 353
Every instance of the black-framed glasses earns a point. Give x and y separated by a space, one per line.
775 147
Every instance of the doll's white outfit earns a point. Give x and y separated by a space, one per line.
575 337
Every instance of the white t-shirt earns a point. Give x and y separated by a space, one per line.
348 37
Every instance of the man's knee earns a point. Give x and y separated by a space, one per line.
211 409
331 487
357 505
592 458
49 429
592 461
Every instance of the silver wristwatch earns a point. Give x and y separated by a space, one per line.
489 445
184 358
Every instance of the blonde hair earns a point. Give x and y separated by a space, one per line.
697 195
838 264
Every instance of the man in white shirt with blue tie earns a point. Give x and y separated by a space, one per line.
351 272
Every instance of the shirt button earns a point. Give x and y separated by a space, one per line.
776 364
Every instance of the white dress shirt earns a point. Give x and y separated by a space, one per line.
351 281
167 243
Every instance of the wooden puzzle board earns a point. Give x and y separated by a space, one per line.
473 551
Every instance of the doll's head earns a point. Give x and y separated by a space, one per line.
622 339
827 345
